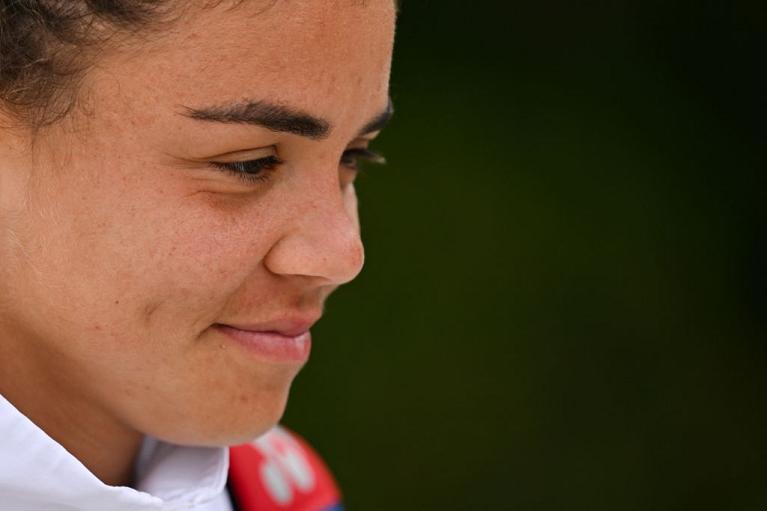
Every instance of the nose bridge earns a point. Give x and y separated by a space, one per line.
322 237
330 218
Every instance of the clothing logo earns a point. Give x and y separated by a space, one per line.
284 469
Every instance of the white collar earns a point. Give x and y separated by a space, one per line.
37 473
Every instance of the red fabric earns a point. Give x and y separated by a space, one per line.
280 471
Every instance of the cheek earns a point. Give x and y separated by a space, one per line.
120 283
129 258
123 288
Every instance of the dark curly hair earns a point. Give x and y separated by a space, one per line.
47 45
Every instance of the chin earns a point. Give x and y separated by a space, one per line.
234 421
245 429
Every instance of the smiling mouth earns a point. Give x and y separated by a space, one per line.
288 345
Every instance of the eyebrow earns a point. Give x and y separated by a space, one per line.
271 116
279 118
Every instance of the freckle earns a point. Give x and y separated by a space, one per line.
243 398
117 301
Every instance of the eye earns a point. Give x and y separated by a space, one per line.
260 169
351 157
250 171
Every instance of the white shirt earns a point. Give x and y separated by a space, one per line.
38 474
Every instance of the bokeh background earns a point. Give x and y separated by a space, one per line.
563 305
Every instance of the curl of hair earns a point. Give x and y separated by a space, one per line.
47 45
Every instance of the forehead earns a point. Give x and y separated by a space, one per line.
328 57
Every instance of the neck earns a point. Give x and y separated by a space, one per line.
104 445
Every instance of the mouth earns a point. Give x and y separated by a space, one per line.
288 344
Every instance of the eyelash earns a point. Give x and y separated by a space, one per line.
259 170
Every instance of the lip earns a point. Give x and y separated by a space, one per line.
280 341
289 327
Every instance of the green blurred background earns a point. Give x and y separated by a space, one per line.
563 304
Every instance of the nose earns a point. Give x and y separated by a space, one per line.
322 238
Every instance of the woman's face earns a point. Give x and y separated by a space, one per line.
127 238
